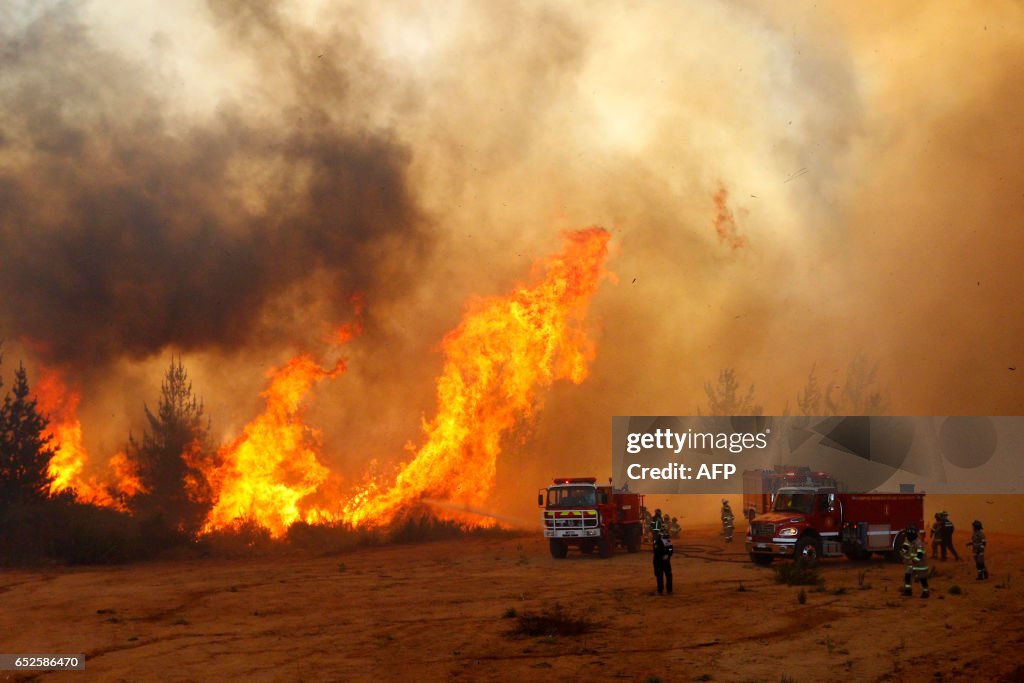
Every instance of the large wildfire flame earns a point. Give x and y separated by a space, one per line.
273 466
64 434
495 361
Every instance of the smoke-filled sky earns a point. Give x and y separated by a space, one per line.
217 179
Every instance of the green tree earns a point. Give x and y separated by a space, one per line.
24 451
172 457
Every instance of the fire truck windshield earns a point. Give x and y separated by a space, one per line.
572 496
802 503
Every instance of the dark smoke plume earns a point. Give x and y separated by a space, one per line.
125 228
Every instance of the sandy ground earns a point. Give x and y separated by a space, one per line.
446 611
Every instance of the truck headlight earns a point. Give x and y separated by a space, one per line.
788 531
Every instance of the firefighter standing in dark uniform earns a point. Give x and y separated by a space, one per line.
947 537
977 544
663 562
728 521
937 536
657 524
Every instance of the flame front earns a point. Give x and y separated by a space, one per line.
496 360
64 433
268 471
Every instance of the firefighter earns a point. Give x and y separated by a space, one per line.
728 521
915 563
977 544
646 515
663 562
937 536
947 537
675 528
657 523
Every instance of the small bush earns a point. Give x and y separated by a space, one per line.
955 590
797 574
67 531
553 621
248 538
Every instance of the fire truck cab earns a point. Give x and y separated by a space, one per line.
578 512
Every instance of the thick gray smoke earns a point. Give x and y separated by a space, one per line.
125 228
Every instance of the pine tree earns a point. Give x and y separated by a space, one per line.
172 456
724 397
24 452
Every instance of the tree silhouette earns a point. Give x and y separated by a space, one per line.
172 456
809 400
724 397
24 452
859 394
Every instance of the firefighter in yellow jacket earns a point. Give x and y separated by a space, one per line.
915 562
977 544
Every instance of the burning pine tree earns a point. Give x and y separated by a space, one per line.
172 456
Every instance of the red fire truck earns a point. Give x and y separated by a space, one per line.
810 521
578 512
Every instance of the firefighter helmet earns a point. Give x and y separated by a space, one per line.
911 532
976 524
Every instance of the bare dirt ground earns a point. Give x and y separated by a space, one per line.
446 611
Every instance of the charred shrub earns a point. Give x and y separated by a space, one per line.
553 621
60 529
94 535
797 574
247 538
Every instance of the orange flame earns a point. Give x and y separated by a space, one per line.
64 434
272 467
126 476
496 360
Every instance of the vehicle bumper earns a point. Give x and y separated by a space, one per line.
572 534
773 548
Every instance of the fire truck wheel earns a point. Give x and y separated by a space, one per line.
604 547
894 555
558 549
587 547
808 549
761 560
633 539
